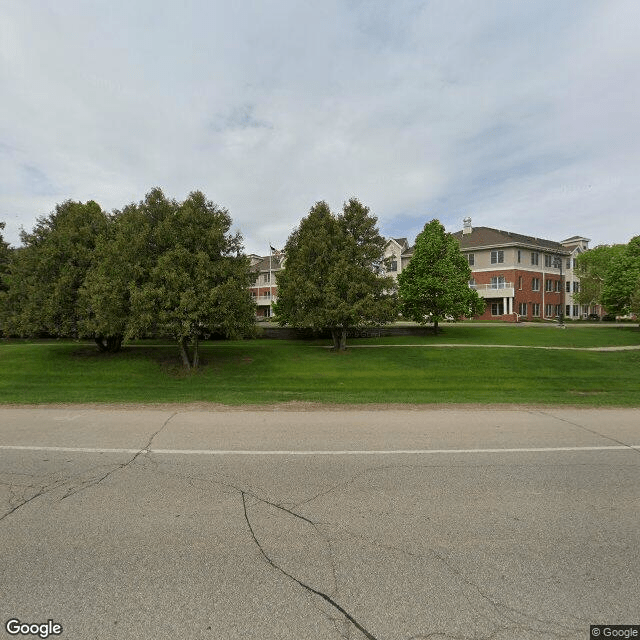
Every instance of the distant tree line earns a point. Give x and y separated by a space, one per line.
163 268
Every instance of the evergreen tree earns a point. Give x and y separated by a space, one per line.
46 273
333 273
170 269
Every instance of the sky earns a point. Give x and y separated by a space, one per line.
523 116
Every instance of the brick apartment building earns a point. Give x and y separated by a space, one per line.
520 277
523 277
264 289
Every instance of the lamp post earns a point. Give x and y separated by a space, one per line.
557 259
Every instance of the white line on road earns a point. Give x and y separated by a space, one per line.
258 452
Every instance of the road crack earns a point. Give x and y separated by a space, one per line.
145 449
592 431
317 592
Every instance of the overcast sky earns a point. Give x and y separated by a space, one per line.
523 115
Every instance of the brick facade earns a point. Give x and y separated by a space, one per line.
526 291
523 277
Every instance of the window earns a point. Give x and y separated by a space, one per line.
568 286
548 310
266 278
574 263
548 285
567 310
558 286
496 309
497 282
534 257
568 263
558 309
576 287
519 257
267 294
548 260
497 257
520 283
535 309
394 265
535 285
472 283
471 257
575 310
522 309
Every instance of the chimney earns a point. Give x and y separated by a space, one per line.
467 226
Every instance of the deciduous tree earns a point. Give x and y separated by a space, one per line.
333 273
592 267
620 286
435 283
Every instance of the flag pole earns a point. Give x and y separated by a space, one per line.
270 276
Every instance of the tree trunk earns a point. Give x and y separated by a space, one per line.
196 353
184 353
339 339
435 327
114 344
102 343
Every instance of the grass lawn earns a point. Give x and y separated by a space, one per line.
271 371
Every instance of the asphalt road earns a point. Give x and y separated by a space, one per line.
398 524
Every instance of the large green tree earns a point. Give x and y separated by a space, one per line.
620 287
46 273
171 269
333 273
435 283
592 267
125 254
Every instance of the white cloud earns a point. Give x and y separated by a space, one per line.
522 115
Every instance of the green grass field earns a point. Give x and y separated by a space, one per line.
274 371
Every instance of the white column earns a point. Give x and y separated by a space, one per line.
504 305
510 305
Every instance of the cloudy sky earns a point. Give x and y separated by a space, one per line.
523 115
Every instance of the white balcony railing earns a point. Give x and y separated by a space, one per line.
494 290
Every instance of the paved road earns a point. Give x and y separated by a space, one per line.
398 524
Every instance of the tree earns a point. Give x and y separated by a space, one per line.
45 274
634 301
125 254
171 269
333 273
5 254
592 267
621 282
435 283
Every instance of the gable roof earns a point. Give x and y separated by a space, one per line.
485 237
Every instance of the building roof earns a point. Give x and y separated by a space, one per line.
261 263
484 237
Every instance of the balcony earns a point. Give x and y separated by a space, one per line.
498 290
260 300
